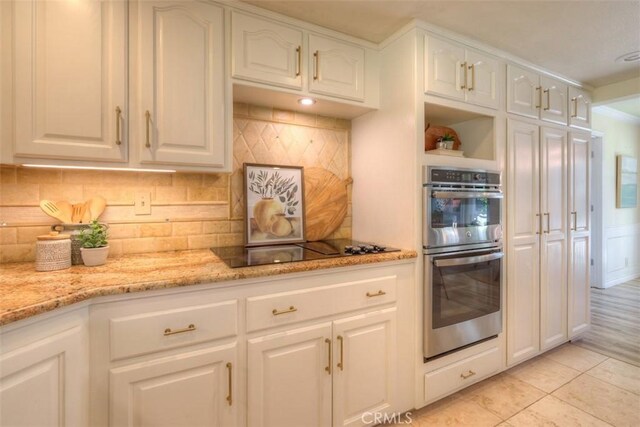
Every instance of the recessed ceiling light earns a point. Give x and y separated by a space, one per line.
629 57
306 101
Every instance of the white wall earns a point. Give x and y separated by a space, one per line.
621 244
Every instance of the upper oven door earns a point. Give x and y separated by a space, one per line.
455 217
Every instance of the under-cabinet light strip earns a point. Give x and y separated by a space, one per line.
98 168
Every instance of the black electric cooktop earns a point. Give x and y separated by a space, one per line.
240 256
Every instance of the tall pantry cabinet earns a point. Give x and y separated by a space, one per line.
537 233
549 237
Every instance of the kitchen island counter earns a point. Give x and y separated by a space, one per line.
25 292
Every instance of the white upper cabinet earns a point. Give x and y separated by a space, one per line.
266 52
461 73
579 108
337 68
70 80
539 97
554 100
444 73
180 113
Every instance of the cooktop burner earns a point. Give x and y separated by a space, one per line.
240 256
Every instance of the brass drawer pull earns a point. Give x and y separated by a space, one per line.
467 375
298 57
316 62
189 328
463 86
230 395
328 367
548 107
539 89
575 106
278 313
341 363
473 77
118 114
377 294
548 223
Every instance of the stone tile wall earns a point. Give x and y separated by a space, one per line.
189 210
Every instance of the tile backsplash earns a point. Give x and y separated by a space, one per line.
189 210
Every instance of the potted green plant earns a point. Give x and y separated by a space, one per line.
94 246
447 139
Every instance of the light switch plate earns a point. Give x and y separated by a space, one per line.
142 203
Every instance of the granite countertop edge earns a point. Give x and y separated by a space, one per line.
26 293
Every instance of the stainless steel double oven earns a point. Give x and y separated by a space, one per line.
462 245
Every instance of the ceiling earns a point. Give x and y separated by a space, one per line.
630 106
578 39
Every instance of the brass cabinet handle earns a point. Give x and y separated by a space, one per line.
575 106
316 60
464 80
291 309
548 100
539 223
341 363
147 115
189 328
575 220
230 395
548 225
298 57
539 89
472 67
469 374
118 114
328 367
377 294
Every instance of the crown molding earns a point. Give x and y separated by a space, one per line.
616 114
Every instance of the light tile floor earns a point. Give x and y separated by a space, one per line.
568 386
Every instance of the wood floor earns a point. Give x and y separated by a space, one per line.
615 322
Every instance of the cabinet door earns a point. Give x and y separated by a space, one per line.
579 108
70 79
191 389
266 52
364 366
554 101
523 92
44 383
180 114
579 181
523 291
289 378
337 68
553 266
444 69
482 79
579 313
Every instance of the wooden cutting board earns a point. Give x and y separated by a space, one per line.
326 201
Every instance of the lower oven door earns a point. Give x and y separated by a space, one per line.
463 299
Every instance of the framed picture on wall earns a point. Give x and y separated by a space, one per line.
627 182
274 200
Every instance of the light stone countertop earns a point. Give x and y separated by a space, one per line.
25 292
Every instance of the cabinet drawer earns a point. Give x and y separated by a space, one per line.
290 307
164 329
460 374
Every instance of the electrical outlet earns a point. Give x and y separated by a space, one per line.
142 203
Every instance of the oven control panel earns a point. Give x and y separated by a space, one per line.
459 176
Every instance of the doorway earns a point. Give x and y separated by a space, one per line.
597 230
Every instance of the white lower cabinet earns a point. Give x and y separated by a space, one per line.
44 373
291 374
194 388
461 373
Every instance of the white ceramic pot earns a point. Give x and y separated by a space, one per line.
94 256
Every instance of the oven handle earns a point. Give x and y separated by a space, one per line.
467 260
466 195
